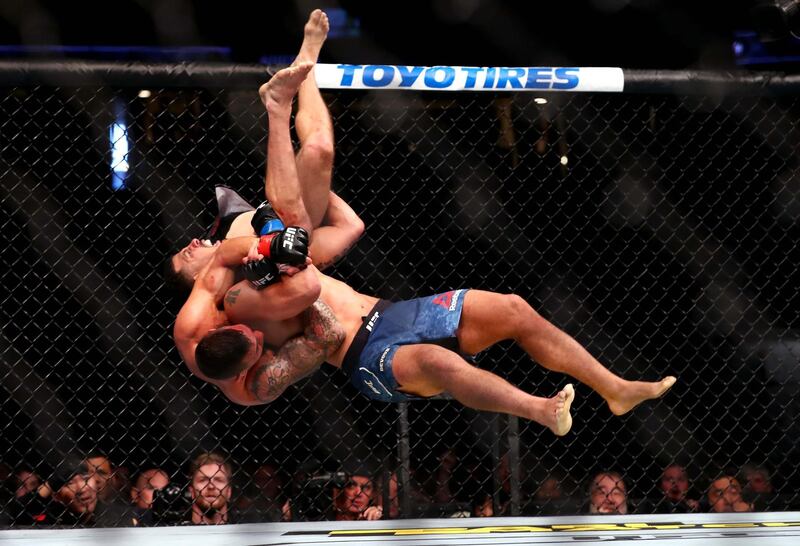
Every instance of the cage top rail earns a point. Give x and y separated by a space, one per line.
85 73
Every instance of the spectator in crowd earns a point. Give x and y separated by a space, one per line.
210 487
24 481
268 481
6 493
120 482
419 502
725 495
394 500
79 497
758 489
5 472
69 498
100 467
264 498
113 506
549 490
147 482
439 484
354 501
483 505
674 486
608 494
551 498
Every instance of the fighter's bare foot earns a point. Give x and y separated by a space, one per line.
314 34
282 87
636 392
559 419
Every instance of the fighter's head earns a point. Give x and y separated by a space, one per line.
182 268
229 351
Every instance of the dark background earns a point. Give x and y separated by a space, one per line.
628 33
667 245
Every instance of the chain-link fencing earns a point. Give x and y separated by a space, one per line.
659 230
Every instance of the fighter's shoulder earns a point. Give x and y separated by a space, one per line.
193 321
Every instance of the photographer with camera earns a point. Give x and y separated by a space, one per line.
68 498
147 484
346 494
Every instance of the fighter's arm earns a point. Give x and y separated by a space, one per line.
279 301
296 359
199 313
342 228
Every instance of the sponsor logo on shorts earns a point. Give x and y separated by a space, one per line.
371 323
383 358
454 303
444 300
371 385
448 300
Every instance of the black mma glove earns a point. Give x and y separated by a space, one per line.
261 273
289 246
265 221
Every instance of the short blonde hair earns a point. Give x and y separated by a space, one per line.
210 457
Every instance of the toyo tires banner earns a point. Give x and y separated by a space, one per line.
469 78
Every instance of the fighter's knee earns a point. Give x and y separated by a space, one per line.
520 315
319 147
516 306
435 361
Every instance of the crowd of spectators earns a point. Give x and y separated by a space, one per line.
94 492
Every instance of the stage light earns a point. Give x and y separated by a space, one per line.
120 147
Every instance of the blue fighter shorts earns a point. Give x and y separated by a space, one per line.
430 320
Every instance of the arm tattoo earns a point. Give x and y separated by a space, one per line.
327 263
230 297
298 357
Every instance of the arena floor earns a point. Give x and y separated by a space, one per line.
762 529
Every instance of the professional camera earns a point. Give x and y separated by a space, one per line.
314 498
172 505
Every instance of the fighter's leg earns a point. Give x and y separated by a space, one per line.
427 370
488 318
313 125
282 182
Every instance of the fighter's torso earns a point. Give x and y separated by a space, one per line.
347 305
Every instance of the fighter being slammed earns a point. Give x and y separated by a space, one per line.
391 351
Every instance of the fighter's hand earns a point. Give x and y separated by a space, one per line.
261 273
288 246
252 254
372 513
290 270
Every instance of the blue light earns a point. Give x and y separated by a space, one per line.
343 25
118 138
